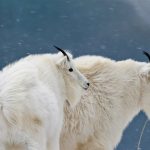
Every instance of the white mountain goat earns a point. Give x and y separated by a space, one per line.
32 94
118 91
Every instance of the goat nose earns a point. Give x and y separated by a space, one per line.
88 84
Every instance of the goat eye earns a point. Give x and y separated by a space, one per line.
70 69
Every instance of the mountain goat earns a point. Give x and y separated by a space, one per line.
118 91
32 94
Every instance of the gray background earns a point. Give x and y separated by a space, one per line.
118 29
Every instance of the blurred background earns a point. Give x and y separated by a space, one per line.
118 29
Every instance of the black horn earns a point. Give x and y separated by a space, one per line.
147 54
64 53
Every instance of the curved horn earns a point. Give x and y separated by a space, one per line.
64 53
147 54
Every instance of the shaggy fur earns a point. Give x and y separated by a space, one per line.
32 94
118 92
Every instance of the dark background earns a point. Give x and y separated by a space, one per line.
118 29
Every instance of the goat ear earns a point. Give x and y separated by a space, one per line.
62 62
145 72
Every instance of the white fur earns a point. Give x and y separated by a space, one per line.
118 92
32 94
